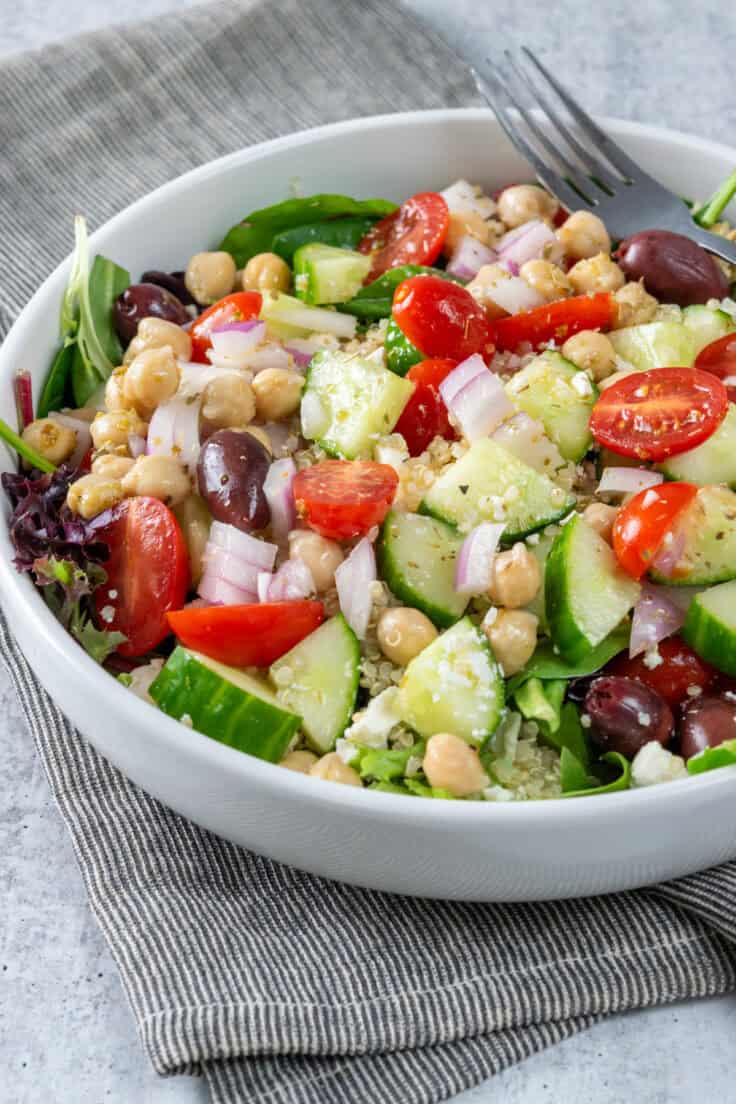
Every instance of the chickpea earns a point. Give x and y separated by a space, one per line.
152 378
403 633
513 638
161 477
595 274
583 235
54 441
92 494
210 276
515 577
546 278
260 435
114 396
601 518
481 289
154 333
592 352
278 392
195 520
451 764
228 402
332 769
322 556
266 272
633 306
111 431
462 223
112 467
523 202
300 761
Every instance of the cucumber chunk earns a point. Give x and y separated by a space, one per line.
655 345
706 325
488 483
708 527
319 679
324 274
224 703
416 557
586 593
710 626
712 462
554 391
349 402
454 685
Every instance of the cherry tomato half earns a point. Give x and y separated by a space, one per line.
147 573
719 358
680 669
242 306
414 234
659 413
442 319
247 636
344 498
643 523
554 321
425 415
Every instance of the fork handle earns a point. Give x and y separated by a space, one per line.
714 243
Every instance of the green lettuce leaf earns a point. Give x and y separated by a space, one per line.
541 701
724 755
597 780
545 664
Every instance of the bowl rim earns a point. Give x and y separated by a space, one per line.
199 750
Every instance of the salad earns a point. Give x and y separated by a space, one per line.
437 499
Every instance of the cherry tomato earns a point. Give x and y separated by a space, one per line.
242 306
247 636
680 669
442 319
719 358
642 524
147 573
414 234
554 321
344 498
425 415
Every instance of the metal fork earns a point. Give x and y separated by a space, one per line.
580 164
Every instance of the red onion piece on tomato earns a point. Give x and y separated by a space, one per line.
235 340
670 552
466 370
655 617
475 559
353 579
628 480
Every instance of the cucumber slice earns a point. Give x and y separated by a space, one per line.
655 345
554 391
349 402
708 526
712 462
293 318
454 685
319 679
586 593
416 557
489 484
224 703
706 325
710 626
401 354
324 274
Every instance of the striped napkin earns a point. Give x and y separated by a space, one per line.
277 986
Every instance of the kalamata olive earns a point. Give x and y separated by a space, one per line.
707 722
173 282
674 268
231 472
145 301
625 715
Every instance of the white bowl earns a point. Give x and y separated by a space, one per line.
470 851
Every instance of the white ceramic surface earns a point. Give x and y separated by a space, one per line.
453 849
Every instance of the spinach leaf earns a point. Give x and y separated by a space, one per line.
57 391
106 281
597 785
545 664
574 776
401 354
256 232
374 300
724 755
343 233
570 735
709 214
98 349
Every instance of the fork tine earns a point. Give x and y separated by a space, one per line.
605 145
551 179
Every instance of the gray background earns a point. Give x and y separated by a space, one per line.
66 1035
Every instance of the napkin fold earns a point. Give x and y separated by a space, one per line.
277 986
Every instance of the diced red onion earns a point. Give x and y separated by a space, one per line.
234 341
174 431
270 356
241 327
136 445
514 295
232 568
474 563
655 617
302 349
220 592
628 480
468 258
251 549
353 579
526 243
160 441
466 371
670 552
263 583
195 377
81 430
278 491
23 398
480 405
292 581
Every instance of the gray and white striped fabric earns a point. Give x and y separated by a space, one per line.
277 986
